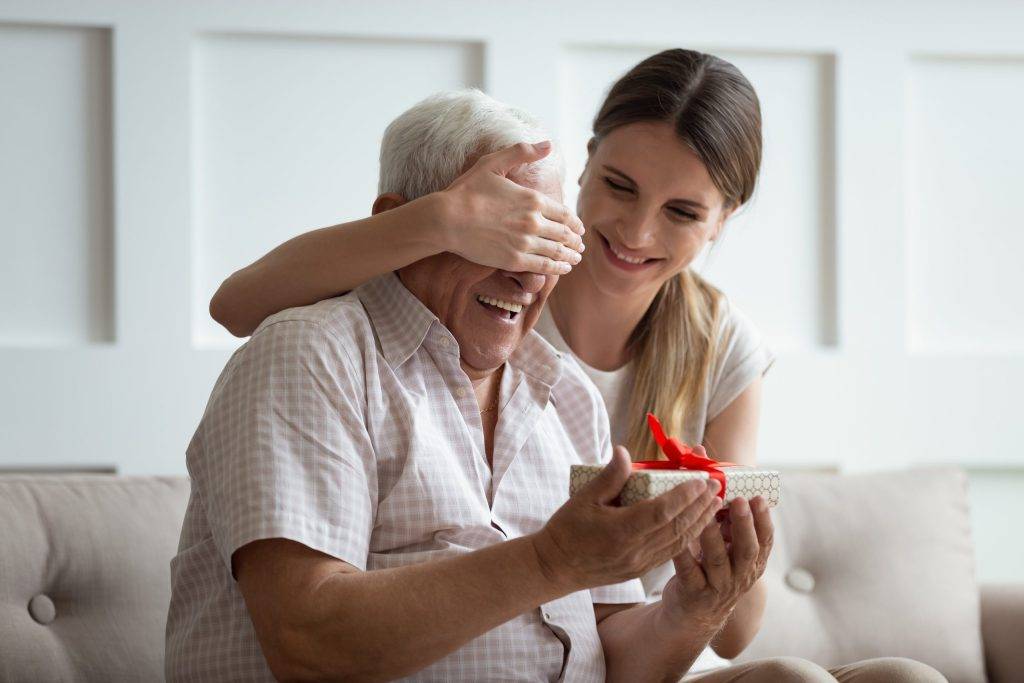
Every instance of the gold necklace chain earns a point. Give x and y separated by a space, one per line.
497 398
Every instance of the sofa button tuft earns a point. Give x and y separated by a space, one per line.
42 609
800 580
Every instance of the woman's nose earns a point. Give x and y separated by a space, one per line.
636 230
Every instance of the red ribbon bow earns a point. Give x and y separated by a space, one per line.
681 457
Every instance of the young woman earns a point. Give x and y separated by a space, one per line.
676 149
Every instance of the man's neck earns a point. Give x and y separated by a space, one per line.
485 383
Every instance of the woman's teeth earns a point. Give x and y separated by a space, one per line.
627 259
498 303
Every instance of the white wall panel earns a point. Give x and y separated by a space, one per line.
879 256
965 233
777 258
55 186
287 134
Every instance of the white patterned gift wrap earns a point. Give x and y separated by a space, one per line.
740 482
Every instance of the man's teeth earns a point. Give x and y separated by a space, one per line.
507 305
627 259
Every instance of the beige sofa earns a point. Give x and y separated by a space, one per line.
864 566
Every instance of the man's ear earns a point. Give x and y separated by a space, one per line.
386 202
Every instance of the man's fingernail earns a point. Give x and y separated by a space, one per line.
541 146
742 508
713 485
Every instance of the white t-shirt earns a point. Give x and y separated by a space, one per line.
745 358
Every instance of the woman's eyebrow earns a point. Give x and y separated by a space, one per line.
691 202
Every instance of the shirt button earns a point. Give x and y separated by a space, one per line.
461 392
547 616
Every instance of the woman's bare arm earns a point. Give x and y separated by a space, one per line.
483 216
326 262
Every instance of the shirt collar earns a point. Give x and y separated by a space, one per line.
402 324
400 320
538 359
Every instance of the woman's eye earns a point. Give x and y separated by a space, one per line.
683 214
615 186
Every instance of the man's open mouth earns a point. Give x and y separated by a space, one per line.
506 309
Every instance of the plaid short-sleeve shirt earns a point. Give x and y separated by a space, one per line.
349 426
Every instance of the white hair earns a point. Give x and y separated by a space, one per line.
426 147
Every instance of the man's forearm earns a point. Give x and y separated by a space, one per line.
384 624
640 645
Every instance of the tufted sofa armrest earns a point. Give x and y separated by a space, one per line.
1002 626
84 575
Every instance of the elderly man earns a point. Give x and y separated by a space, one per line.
379 482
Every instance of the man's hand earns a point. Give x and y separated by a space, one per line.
591 542
721 567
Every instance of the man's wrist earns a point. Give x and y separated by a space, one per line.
552 572
671 626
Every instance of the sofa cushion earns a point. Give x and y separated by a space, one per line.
84 577
873 565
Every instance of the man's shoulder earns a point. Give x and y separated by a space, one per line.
328 336
579 403
574 382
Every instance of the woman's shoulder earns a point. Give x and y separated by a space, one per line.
743 354
737 330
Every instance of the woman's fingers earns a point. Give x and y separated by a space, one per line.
542 265
506 160
553 250
559 233
560 213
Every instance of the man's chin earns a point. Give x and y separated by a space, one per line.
483 360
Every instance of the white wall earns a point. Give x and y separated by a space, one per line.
149 149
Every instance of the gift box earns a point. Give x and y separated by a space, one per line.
651 478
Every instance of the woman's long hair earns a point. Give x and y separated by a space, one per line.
714 111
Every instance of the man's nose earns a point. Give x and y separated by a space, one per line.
530 282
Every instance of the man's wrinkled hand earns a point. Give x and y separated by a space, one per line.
590 541
721 565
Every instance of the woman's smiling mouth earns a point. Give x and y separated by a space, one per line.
624 261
